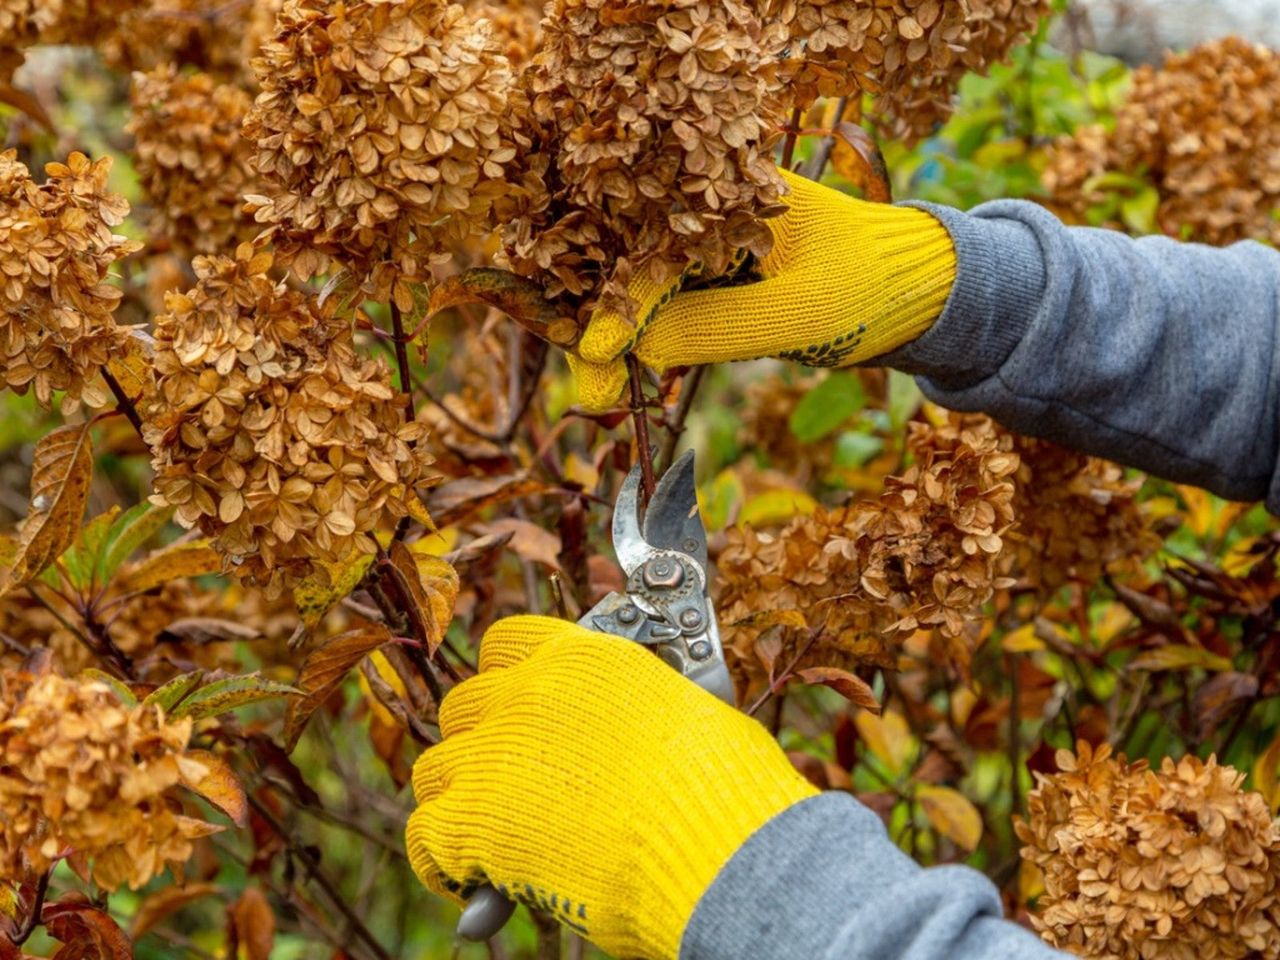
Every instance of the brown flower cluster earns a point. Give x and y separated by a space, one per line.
1078 516
377 136
1175 864
88 778
269 431
515 28
654 125
191 160
1203 130
24 23
909 54
214 36
57 324
925 555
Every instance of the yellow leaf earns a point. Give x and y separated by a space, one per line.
316 594
218 784
1266 775
190 559
951 814
774 507
388 673
718 499
1022 640
61 472
1180 657
436 543
888 737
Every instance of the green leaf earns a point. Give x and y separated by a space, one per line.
82 559
223 696
904 398
132 530
856 449
825 407
170 695
117 686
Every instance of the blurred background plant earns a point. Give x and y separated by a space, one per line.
964 627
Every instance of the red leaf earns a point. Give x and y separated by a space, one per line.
86 932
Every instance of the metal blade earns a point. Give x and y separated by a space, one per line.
628 539
673 521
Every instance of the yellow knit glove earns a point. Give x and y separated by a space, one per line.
581 774
846 281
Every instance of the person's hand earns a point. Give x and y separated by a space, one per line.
582 775
846 281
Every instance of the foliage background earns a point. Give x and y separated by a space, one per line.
1083 654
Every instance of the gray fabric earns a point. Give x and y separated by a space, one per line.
1153 353
822 881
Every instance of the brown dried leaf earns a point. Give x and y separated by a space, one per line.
61 472
322 672
520 299
174 562
857 157
850 686
164 902
251 926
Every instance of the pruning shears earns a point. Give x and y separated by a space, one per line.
666 605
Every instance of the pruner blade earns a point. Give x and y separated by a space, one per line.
671 521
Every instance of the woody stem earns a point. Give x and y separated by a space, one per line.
641 420
123 402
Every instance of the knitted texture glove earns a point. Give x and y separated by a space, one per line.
582 775
846 281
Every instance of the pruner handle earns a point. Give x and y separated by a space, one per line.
485 914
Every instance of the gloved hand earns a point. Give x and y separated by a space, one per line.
581 774
846 281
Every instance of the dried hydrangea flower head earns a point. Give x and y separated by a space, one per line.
92 779
910 54
1079 517
377 136
1204 130
516 27
57 324
214 36
22 24
654 125
192 162
1175 864
268 431
926 554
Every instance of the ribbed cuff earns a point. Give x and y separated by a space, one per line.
999 285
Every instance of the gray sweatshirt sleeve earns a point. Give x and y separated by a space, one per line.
1153 353
822 881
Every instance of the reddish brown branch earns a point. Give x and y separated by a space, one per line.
641 420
